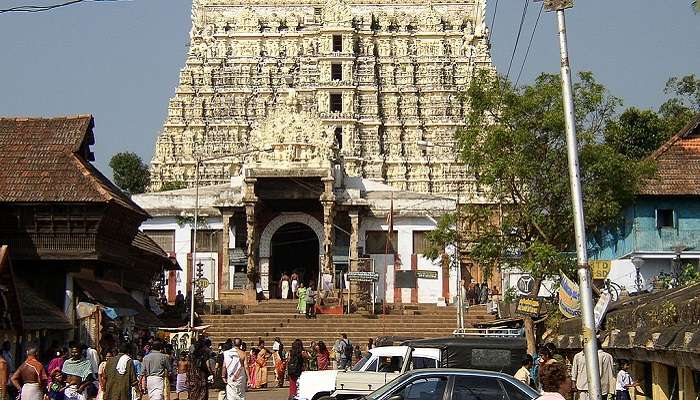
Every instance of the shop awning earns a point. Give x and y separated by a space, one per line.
110 294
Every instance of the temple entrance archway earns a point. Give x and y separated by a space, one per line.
293 249
291 241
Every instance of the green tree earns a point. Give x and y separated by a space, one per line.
514 142
683 104
130 172
637 133
172 185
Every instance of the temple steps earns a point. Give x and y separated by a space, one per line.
265 323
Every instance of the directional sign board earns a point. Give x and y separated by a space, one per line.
426 274
361 276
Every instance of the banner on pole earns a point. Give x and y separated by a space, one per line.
569 303
601 308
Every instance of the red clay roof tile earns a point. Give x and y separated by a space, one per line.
44 160
677 164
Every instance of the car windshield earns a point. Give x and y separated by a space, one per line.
361 362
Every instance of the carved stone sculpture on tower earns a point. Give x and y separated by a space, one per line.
397 74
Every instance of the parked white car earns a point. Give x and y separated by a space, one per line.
379 366
384 364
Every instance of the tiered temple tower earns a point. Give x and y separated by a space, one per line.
382 75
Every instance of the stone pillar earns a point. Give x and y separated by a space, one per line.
686 384
225 256
660 388
354 239
250 201
328 202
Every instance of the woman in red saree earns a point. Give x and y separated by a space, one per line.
323 356
252 383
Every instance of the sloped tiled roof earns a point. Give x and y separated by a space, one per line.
38 313
145 244
677 164
44 160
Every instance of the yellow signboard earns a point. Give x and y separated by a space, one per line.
600 268
528 305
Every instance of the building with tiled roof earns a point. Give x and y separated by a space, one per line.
63 222
677 164
660 233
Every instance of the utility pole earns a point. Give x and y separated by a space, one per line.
197 161
588 331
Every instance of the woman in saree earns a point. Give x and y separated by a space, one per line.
323 356
252 362
311 362
198 372
261 366
279 359
301 295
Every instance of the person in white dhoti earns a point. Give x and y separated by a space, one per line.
156 366
295 284
284 286
30 378
235 371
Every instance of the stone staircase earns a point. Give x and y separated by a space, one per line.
278 318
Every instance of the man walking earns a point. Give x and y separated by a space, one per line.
235 371
156 366
345 352
30 378
120 376
580 378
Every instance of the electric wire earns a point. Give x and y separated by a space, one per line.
493 19
35 8
529 44
517 38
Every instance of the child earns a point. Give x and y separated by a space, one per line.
624 382
56 385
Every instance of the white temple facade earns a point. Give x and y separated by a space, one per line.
383 76
314 125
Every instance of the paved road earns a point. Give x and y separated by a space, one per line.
268 394
261 394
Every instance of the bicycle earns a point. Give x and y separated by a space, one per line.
613 289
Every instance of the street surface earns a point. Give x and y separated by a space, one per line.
268 394
260 394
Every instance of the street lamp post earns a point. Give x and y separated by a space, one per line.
198 161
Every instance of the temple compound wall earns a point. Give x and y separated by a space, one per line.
383 76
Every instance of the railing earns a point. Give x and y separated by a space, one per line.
54 241
487 332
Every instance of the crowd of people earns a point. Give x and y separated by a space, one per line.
556 377
153 368
475 293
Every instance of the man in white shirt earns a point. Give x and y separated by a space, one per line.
580 378
523 374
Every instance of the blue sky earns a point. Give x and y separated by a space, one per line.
120 60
